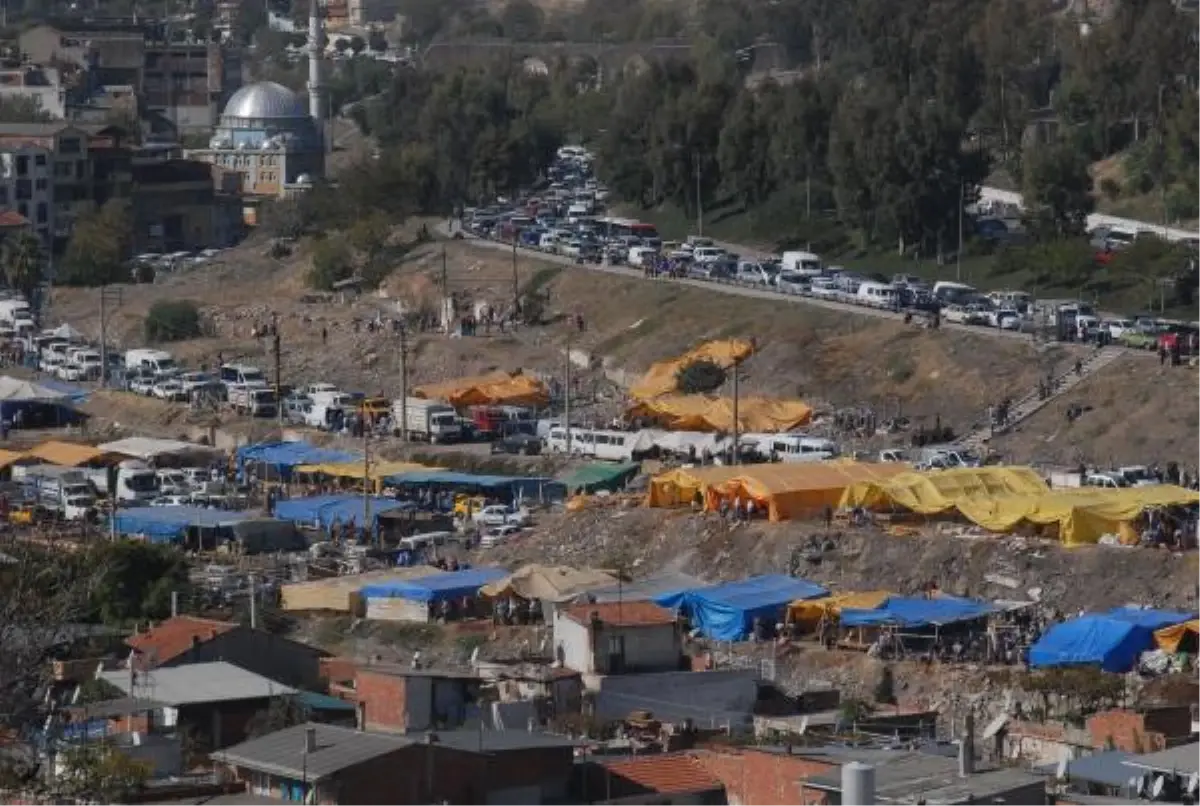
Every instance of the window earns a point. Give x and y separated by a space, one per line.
23 209
69 145
40 160
40 184
3 197
22 166
43 213
24 189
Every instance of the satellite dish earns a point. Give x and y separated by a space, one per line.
1141 785
803 726
1060 772
1157 787
1134 785
1193 783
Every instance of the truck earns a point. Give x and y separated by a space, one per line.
253 401
426 420
65 491
14 310
131 482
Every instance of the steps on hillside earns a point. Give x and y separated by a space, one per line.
1027 406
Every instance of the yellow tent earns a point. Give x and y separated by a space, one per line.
678 488
354 470
552 583
931 492
496 388
704 413
791 491
1169 638
9 457
660 378
66 454
806 613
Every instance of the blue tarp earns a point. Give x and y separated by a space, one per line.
323 511
1111 643
75 394
161 524
283 456
436 588
907 612
727 612
1150 619
522 486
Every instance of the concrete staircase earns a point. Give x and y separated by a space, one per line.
1025 407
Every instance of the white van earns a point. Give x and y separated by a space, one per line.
945 291
876 295
159 363
804 263
639 256
611 446
242 375
792 448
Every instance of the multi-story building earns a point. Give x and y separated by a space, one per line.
41 84
25 187
189 82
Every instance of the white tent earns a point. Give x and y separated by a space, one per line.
65 331
149 449
14 390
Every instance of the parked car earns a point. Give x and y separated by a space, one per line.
523 444
169 389
497 535
501 515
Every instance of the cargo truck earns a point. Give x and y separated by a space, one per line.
427 420
65 491
253 401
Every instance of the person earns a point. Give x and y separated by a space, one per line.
324 335
1078 366
828 517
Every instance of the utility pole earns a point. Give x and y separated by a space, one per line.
107 296
366 478
736 425
567 394
253 602
403 385
807 184
174 604
445 280
278 369
958 255
516 281
699 201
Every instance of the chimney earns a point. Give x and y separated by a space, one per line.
858 784
310 740
966 747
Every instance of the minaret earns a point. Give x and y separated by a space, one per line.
316 56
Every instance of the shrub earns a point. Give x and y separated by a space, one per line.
700 377
332 261
173 320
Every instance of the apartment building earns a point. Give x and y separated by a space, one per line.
43 85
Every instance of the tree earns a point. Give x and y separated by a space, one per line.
23 109
172 320
700 377
522 20
341 45
357 45
280 713
101 772
99 246
1058 189
332 261
24 263
136 581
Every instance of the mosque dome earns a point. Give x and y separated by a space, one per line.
265 100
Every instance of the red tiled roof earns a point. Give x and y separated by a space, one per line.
621 614
674 774
11 218
177 635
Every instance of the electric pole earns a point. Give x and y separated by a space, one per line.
366 475
962 198
567 394
736 425
403 385
516 281
699 201
278 369
107 296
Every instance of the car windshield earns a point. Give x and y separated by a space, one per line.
253 376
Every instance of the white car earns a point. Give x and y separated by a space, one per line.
1118 327
169 389
170 501
498 535
708 254
793 282
750 272
142 386
500 515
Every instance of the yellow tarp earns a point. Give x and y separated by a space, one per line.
553 583
678 488
789 491
9 457
65 454
931 492
806 613
660 378
1169 638
704 413
494 389
340 593
354 470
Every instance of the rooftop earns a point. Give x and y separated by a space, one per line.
903 776
197 683
671 774
1184 760
177 635
282 753
621 614
496 741
109 709
172 172
11 218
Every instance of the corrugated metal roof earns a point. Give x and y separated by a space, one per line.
674 774
1184 759
197 683
493 741
177 635
621 614
282 753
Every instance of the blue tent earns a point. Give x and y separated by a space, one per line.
283 456
323 511
436 588
1150 619
908 612
726 612
166 524
1111 643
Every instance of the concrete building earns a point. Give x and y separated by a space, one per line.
367 12
397 698
43 85
189 82
185 639
616 638
26 188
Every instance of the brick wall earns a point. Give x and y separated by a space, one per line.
337 669
1136 733
383 696
756 778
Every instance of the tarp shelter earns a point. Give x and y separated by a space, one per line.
323 511
661 378
278 459
65 331
915 612
726 612
1171 639
8 458
38 405
495 389
937 491
549 583
157 450
678 488
1094 640
437 587
807 613
646 589
513 487
789 491
709 413
354 470
595 477
68 454
15 390
342 594
172 524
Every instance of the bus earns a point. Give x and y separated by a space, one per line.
628 227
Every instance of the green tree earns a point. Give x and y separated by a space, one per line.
172 320
24 263
101 771
332 261
700 377
99 247
1058 189
357 45
23 109
281 713
137 580
341 45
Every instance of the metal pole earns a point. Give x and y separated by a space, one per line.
403 385
278 369
958 254
253 603
567 396
103 339
174 604
699 201
516 282
736 429
366 476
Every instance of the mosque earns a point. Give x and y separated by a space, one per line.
268 139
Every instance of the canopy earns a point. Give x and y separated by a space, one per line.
15 390
524 486
64 454
343 593
1111 644
65 331
1148 617
789 491
496 388
285 456
660 379
9 457
677 488
1169 639
913 612
706 413
641 590
160 524
147 448
552 583
378 471
591 478
436 587
807 613
324 511
935 491
726 612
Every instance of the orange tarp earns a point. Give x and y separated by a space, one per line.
660 378
1169 638
704 413
65 454
789 491
496 388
